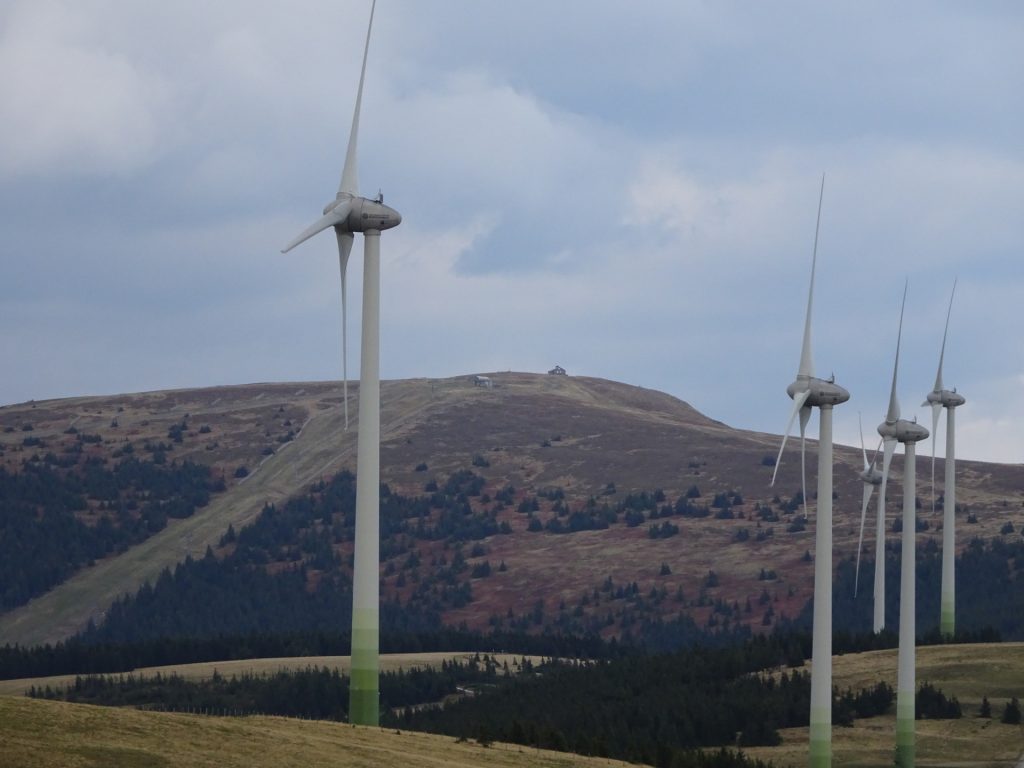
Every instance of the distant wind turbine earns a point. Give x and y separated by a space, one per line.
938 399
870 478
349 213
909 433
809 392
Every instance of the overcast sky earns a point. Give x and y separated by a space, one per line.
627 189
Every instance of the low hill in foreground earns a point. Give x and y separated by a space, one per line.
557 440
45 734
51 734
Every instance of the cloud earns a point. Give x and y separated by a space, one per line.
67 104
629 192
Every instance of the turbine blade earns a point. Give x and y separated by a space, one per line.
798 403
860 422
806 358
936 410
893 414
874 456
888 449
942 354
805 416
350 174
332 218
344 251
868 489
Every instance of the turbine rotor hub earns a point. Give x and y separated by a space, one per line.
871 476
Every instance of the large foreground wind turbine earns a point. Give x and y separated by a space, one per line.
349 213
938 399
909 433
809 392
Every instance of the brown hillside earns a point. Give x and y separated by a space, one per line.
535 432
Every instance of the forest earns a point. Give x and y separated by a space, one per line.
288 571
988 594
57 516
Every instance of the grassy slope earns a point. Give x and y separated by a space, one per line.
968 672
46 734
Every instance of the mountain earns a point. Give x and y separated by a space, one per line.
552 442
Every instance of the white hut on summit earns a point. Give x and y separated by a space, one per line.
557 371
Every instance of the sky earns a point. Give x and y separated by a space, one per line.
627 189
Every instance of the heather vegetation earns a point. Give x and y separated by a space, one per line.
290 570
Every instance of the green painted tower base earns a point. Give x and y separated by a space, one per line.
364 690
364 706
947 626
821 741
905 732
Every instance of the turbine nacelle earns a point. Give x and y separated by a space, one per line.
363 214
820 392
903 431
945 398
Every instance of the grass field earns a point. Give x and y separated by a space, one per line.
51 734
968 672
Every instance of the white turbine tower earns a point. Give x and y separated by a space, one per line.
896 430
809 392
870 478
349 213
938 399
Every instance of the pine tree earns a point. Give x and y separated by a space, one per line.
986 708
1011 715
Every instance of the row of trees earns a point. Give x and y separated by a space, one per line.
319 693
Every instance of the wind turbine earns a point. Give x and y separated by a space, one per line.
870 478
349 213
897 430
810 392
938 399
